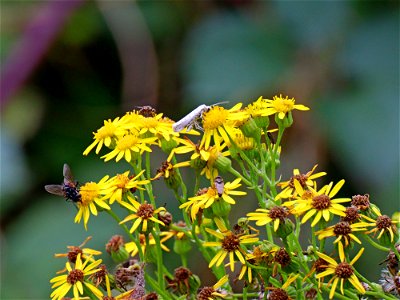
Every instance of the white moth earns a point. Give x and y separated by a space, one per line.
190 119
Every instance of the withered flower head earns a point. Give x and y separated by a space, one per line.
360 201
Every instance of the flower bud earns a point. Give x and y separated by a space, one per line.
250 129
285 228
221 208
182 246
167 146
261 122
286 122
223 163
115 247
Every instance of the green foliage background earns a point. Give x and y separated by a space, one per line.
341 58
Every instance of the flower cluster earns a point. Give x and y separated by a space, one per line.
234 154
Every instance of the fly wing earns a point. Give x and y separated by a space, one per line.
54 189
68 178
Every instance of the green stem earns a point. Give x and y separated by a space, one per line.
376 245
165 295
160 265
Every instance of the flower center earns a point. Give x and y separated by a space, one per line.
278 212
230 243
145 211
121 181
301 178
282 257
278 294
205 293
283 104
383 222
352 214
116 242
127 142
344 270
88 192
182 274
73 254
342 228
362 202
106 131
321 202
74 276
214 118
320 265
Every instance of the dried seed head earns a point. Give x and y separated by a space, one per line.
73 253
352 214
383 222
282 257
320 265
278 294
205 293
360 201
115 243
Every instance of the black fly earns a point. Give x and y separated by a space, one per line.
68 189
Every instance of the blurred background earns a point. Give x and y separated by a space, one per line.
68 65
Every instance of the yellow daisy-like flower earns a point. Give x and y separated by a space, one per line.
218 123
122 184
282 292
343 231
282 106
75 279
107 134
276 214
212 293
201 158
157 126
72 254
341 272
143 213
92 195
133 249
230 243
383 224
305 180
211 195
130 146
318 203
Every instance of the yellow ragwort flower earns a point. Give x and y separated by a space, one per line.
121 185
281 106
276 214
218 123
75 279
230 244
143 213
107 134
341 272
132 248
206 199
72 254
305 180
130 146
383 224
212 293
319 203
92 195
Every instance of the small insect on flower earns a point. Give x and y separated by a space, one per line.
68 189
191 119
147 111
219 185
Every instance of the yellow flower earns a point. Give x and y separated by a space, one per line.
72 254
107 134
121 185
218 122
142 214
130 146
281 293
343 231
383 224
318 203
201 158
157 126
230 243
277 214
75 280
212 293
305 180
341 272
133 249
282 106
211 195
92 195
